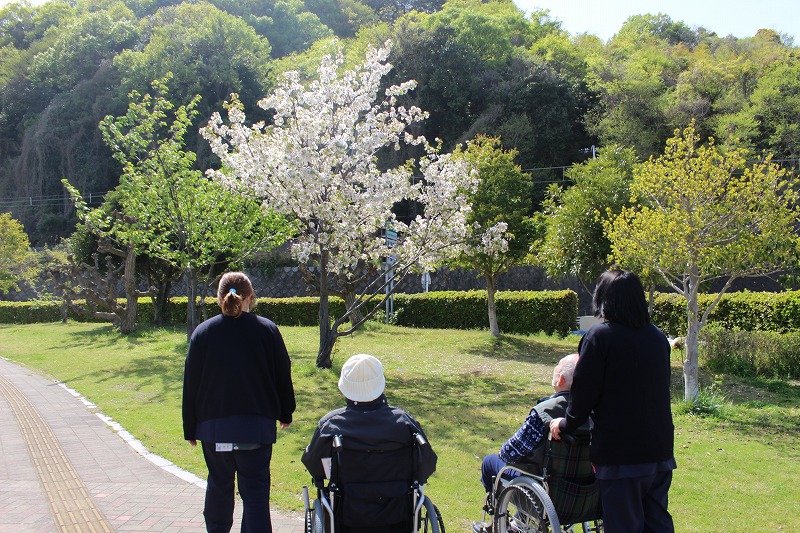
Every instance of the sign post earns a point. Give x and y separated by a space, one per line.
391 240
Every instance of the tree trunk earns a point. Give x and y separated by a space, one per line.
494 328
327 340
160 301
356 316
127 322
691 363
327 336
191 304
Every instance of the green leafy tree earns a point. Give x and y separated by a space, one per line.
703 214
575 242
344 17
186 220
502 228
391 10
22 24
113 264
495 30
477 75
14 253
82 45
632 81
52 104
771 121
437 60
208 53
291 28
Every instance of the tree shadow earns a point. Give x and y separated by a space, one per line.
518 348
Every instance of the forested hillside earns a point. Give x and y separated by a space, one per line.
482 67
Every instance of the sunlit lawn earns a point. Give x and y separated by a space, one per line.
737 471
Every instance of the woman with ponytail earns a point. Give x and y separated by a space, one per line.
237 387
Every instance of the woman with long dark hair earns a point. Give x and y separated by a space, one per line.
622 380
237 386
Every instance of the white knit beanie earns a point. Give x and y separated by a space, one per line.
362 378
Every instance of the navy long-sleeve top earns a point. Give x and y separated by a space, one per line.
622 379
237 380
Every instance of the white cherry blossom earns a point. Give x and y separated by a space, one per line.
317 163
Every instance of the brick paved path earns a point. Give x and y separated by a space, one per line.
63 469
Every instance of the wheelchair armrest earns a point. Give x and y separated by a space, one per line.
527 467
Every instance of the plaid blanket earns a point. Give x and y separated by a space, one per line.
571 483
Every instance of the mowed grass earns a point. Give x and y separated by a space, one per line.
737 470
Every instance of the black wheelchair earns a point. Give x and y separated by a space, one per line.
352 502
557 493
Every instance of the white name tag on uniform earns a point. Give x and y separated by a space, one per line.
224 446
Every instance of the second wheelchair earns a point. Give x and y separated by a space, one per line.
558 495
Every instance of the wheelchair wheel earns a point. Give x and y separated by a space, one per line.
525 508
315 519
308 526
430 518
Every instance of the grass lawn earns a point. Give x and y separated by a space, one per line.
737 470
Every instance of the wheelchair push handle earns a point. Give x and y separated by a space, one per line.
420 439
337 442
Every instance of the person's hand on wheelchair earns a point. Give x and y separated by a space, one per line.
555 431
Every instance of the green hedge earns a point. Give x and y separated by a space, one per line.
302 311
752 353
553 312
747 311
524 312
29 312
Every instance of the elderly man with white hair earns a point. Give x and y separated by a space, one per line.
529 438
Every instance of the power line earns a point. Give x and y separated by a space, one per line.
91 198
95 198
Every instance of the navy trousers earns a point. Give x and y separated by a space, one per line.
491 465
251 468
637 505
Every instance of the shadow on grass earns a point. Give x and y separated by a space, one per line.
520 348
764 410
486 409
158 375
107 335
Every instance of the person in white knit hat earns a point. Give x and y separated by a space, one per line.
362 378
369 423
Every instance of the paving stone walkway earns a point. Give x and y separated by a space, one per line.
64 468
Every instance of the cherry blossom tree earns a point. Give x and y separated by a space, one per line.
318 162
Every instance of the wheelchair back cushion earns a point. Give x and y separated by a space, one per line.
375 504
376 486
